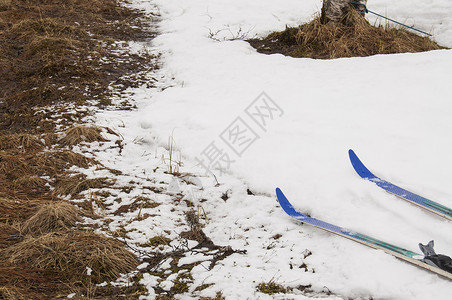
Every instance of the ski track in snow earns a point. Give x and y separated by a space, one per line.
393 110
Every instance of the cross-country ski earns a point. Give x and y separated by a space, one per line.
422 202
430 260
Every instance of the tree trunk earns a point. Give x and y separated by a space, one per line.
335 10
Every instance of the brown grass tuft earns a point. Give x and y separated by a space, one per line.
79 134
21 142
52 217
14 166
9 235
32 183
72 158
354 36
73 253
11 293
15 210
50 46
16 281
52 163
4 5
73 185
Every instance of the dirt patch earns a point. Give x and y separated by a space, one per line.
354 36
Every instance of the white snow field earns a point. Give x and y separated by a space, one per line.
394 111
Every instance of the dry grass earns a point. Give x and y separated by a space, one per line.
49 27
25 282
73 253
52 217
9 235
67 157
73 185
354 36
13 166
48 57
55 56
33 183
21 142
23 167
15 210
8 293
79 134
5 4
139 203
52 163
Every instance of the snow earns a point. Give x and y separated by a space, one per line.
392 110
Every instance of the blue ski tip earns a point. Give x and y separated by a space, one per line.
359 166
280 195
285 204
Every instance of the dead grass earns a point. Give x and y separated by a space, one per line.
11 293
81 133
73 185
23 167
5 4
13 166
354 36
55 52
16 280
46 26
32 183
139 203
67 157
55 57
72 253
21 142
52 217
15 210
9 235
